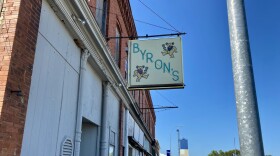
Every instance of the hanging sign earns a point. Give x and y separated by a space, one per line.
155 64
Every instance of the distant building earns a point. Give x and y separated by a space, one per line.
184 149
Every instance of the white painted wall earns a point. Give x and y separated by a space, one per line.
131 124
141 137
92 98
113 108
56 34
51 112
52 104
135 131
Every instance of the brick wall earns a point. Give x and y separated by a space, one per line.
115 19
119 16
19 22
92 6
19 29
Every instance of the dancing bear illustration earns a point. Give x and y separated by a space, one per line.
140 72
169 48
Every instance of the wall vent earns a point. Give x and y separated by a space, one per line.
67 147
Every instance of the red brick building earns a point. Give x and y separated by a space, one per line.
62 80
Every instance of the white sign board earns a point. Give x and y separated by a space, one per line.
155 64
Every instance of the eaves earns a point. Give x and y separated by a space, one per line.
88 36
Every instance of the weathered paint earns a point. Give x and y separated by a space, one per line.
92 98
112 113
51 113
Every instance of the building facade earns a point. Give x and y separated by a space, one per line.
184 147
63 81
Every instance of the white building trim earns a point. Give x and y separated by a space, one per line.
90 37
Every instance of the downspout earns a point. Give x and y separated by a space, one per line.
126 133
104 139
78 133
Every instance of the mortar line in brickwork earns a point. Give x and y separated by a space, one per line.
5 39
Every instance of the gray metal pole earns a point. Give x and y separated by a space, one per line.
246 101
170 143
178 142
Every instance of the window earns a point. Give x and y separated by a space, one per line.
111 150
140 96
104 17
147 119
125 68
112 143
117 47
130 151
101 14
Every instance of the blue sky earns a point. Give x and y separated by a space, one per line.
207 114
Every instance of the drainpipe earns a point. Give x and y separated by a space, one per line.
126 133
104 145
83 63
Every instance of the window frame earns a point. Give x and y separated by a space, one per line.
112 143
117 55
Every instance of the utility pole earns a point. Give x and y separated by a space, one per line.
170 143
178 142
234 148
249 129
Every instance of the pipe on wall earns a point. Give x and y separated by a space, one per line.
78 133
104 144
126 133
